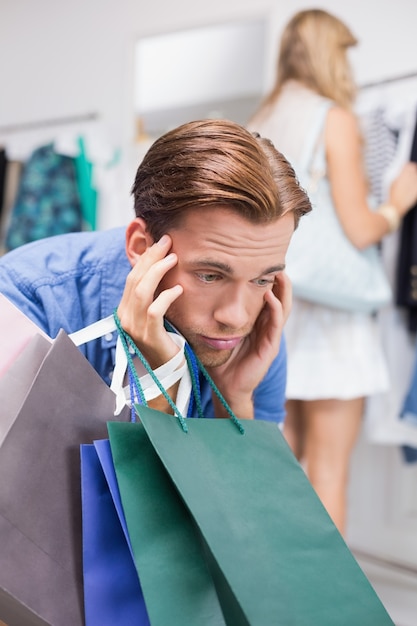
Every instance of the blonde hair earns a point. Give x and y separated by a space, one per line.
313 51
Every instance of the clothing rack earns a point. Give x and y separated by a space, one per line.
60 121
391 79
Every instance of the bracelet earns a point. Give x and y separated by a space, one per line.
390 212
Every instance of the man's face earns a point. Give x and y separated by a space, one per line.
225 266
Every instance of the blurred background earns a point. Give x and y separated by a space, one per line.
99 80
135 68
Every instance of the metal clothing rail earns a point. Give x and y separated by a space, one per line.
59 121
391 79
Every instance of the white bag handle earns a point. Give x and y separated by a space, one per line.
168 374
94 331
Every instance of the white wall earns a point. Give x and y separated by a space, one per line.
59 59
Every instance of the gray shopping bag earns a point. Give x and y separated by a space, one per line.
56 401
23 329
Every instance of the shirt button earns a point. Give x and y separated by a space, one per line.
108 337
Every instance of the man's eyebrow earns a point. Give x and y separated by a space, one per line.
217 265
226 268
274 269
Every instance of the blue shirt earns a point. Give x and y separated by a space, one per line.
70 281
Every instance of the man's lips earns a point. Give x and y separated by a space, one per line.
223 343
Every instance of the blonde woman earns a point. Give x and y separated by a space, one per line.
334 357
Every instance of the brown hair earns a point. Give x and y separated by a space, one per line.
206 163
313 51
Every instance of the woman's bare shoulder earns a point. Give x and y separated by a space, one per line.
341 120
342 131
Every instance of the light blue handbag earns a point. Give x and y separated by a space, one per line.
322 264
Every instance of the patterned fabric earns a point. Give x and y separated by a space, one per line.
47 201
379 150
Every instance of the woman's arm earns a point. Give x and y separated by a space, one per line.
347 177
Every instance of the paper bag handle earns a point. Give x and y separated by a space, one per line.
93 331
168 374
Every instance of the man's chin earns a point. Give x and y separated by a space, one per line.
213 358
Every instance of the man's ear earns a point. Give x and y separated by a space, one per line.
138 239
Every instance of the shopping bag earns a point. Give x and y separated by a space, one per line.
274 554
112 592
40 502
176 583
23 329
17 380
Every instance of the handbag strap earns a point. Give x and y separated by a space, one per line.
312 154
127 342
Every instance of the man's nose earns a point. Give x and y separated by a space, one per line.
233 310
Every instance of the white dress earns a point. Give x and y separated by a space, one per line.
331 353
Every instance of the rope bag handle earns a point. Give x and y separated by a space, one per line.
168 373
194 364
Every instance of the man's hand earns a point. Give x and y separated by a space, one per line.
238 378
141 313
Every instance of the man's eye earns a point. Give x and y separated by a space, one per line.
208 278
264 282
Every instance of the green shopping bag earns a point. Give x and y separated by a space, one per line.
274 554
238 509
176 582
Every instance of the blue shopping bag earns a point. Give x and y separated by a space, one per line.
112 591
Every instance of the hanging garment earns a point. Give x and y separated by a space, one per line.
380 144
11 186
383 422
409 415
88 194
47 201
406 295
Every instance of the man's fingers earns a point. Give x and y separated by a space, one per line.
152 255
139 294
283 291
147 286
161 304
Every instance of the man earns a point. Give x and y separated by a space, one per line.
215 210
